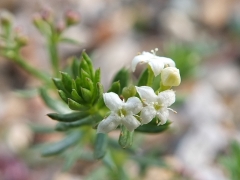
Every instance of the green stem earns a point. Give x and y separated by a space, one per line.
53 52
22 63
150 76
163 88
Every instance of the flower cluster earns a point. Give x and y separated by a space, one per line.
135 112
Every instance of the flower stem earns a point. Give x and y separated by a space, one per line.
22 63
163 88
150 76
53 53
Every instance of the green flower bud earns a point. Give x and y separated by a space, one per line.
128 92
5 18
37 18
170 76
21 39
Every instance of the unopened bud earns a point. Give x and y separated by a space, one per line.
170 76
5 18
60 27
128 92
20 38
72 18
37 18
47 15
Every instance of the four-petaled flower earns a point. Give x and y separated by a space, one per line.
156 63
156 105
121 113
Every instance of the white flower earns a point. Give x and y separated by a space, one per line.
121 113
156 63
156 105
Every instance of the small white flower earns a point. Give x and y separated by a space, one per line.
156 63
121 113
156 105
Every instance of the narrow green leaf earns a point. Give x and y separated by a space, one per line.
59 147
153 128
97 77
54 104
76 97
90 84
84 74
98 94
86 94
39 128
63 96
70 117
126 138
89 62
59 85
26 93
76 106
84 65
74 67
69 41
78 83
143 78
100 146
97 87
67 81
123 77
89 120
115 87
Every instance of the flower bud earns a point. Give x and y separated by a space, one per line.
47 15
20 38
170 76
128 92
72 18
60 27
37 18
5 18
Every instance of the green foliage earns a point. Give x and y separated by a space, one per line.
153 128
70 117
186 58
123 77
83 88
60 146
126 138
100 146
142 81
88 120
232 161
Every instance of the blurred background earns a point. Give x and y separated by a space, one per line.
203 37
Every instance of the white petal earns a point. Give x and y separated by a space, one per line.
147 114
130 122
108 124
162 115
112 101
167 61
147 94
157 66
134 105
138 59
167 98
